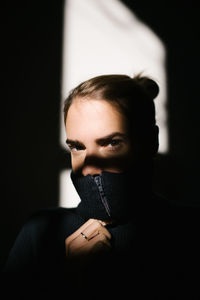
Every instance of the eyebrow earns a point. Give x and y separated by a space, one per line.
111 136
99 140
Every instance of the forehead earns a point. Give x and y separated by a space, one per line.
93 117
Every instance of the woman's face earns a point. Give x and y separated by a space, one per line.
97 137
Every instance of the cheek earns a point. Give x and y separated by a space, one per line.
77 161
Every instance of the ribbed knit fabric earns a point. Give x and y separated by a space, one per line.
124 201
122 192
42 238
149 237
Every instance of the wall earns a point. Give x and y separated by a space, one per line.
32 157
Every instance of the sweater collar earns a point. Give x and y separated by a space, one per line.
114 196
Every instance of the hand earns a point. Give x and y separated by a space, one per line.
91 238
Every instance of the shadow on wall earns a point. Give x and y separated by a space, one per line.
33 158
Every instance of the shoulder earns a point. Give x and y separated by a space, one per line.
41 239
46 216
52 212
184 218
51 220
41 222
162 201
49 214
56 222
176 207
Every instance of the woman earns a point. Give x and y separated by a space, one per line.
110 128
113 138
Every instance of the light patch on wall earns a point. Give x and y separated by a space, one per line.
67 191
105 37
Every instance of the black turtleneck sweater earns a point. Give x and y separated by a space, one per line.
149 235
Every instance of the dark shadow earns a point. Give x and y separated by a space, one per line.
33 158
176 172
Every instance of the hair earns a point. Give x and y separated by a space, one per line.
132 96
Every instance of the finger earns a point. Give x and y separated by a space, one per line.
78 231
102 222
90 232
76 245
76 240
87 231
95 228
81 245
84 234
98 243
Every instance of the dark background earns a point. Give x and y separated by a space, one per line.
32 157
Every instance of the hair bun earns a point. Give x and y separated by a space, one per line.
149 86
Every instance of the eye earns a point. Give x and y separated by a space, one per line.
114 143
75 148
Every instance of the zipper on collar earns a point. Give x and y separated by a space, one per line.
104 201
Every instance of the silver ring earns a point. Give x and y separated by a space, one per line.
84 236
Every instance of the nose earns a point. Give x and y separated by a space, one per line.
92 165
91 170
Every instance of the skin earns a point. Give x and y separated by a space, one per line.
97 137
